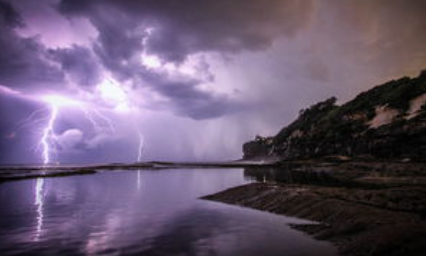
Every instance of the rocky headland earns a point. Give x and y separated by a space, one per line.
357 169
386 122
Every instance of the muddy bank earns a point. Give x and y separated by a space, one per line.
379 213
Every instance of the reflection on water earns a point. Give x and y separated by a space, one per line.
139 179
39 205
142 213
292 175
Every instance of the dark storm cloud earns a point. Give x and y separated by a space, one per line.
119 43
190 26
8 16
191 101
182 28
22 60
119 46
79 63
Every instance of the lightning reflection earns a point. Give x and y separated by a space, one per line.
39 204
140 148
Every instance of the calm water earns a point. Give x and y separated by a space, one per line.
142 213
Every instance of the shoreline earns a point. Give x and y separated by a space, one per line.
364 208
368 173
14 173
357 226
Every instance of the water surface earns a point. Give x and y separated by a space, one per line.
142 213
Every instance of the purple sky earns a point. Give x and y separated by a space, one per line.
195 79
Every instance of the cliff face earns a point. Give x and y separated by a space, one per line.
388 121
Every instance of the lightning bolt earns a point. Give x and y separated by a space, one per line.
48 134
105 119
109 91
31 119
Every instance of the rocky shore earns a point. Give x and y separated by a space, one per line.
365 208
358 169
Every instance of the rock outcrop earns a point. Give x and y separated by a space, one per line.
388 121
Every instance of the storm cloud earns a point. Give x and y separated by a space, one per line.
173 31
199 77
190 26
79 63
23 61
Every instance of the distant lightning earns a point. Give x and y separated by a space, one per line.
105 119
89 117
30 119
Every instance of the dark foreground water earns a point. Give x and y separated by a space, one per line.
142 213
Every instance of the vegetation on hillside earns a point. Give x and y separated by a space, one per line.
326 128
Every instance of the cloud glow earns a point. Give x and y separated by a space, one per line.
151 61
113 94
60 101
